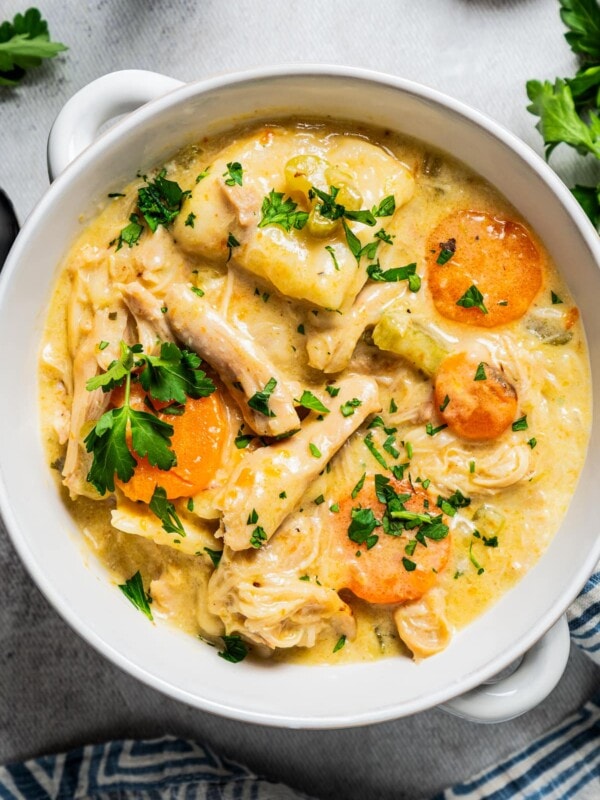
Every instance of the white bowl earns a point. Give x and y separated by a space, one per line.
44 533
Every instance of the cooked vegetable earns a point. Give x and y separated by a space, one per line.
475 409
197 438
24 44
493 275
404 527
400 333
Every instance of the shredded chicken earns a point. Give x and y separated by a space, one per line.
238 360
148 313
259 594
253 496
330 348
422 624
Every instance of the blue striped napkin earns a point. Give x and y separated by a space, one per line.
564 764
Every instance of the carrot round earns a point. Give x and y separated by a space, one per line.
474 399
380 574
199 435
497 257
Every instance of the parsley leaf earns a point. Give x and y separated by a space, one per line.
174 375
480 372
331 252
331 209
472 298
260 400
350 406
375 272
447 250
235 650
165 511
234 173
386 208
277 211
559 121
214 555
588 198
133 589
520 424
131 233
24 44
258 537
362 526
582 17
310 401
160 201
374 451
359 486
340 643
231 243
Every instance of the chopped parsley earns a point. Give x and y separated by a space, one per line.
374 451
130 235
329 208
202 175
197 291
258 537
362 526
333 391
331 252
431 431
260 400
190 219
231 243
318 500
480 372
349 407
165 511
393 406
449 505
160 201
359 486
375 272
386 208
520 424
340 643
134 591
532 442
300 330
384 237
408 565
447 250
308 400
473 560
472 298
283 495
190 504
234 649
233 174
314 450
555 299
102 345
445 402
252 517
335 508
277 211
214 555
242 440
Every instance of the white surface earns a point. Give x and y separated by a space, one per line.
56 692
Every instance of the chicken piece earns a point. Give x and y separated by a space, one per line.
293 261
270 482
178 593
236 358
156 262
109 327
146 309
259 594
137 519
330 348
422 624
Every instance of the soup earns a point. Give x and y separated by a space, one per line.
315 392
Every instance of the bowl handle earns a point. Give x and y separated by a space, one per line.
530 682
82 117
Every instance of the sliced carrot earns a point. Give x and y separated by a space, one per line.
497 256
475 400
199 435
385 573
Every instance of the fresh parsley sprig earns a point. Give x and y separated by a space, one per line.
568 109
24 44
283 212
172 376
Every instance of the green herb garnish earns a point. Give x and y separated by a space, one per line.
24 44
233 174
277 211
134 591
260 400
308 400
472 298
235 650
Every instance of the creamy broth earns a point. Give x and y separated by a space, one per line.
302 302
